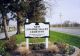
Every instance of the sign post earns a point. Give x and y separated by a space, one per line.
36 30
27 39
46 43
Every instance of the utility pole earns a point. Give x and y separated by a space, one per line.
61 19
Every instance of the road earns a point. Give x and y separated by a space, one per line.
2 35
68 30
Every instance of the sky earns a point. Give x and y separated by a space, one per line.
69 10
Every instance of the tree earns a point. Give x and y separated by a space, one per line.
66 23
19 7
75 24
36 11
4 9
32 9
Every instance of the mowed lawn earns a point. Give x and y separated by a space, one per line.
66 38
54 37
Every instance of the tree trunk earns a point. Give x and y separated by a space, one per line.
5 27
18 27
19 17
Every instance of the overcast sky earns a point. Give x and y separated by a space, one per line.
69 9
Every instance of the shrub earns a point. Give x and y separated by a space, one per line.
11 44
53 48
23 51
2 49
65 48
70 50
23 44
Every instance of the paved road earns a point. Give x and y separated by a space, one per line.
72 31
2 35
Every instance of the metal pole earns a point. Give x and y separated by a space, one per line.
27 39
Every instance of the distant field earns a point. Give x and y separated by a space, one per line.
54 37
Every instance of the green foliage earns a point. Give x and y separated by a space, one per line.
2 49
70 50
20 38
36 11
11 44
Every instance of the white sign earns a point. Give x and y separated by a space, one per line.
36 30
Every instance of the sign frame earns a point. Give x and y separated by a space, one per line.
37 24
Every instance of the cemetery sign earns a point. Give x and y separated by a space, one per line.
36 30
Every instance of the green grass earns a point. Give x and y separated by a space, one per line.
54 37
62 37
20 38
